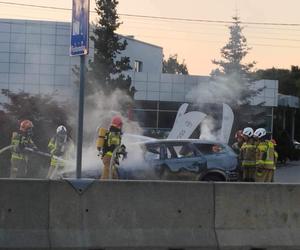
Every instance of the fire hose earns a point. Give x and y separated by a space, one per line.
2 150
34 151
50 173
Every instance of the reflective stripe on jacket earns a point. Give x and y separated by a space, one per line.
248 154
112 140
265 157
19 141
52 146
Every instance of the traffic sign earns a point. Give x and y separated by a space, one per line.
80 28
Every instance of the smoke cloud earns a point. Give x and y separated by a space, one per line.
99 110
217 91
208 129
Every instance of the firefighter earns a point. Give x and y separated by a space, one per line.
237 149
248 155
275 155
275 151
239 141
265 157
20 141
112 140
57 147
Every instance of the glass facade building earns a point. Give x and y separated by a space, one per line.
34 57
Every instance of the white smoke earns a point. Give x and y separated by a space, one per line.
98 112
220 90
208 129
217 91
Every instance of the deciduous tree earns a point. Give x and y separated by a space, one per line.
172 66
45 113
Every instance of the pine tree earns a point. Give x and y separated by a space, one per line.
231 67
105 71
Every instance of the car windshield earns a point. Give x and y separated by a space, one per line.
151 152
210 148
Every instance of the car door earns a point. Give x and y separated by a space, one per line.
142 161
154 157
182 157
217 156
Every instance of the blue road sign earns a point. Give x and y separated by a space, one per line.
80 28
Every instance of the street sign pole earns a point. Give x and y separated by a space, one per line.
80 117
80 47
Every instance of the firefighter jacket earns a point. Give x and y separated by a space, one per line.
19 141
237 147
265 155
56 149
248 154
112 140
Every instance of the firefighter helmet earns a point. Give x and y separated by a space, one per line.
274 142
117 122
260 132
248 132
26 125
61 130
238 134
61 134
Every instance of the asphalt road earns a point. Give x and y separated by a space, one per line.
288 173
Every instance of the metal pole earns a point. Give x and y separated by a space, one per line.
293 124
283 118
272 123
80 117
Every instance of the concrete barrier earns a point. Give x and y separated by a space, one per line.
257 216
111 215
132 214
37 214
24 214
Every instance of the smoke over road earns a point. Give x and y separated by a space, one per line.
98 112
216 91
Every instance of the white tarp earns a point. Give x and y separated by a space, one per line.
185 123
227 122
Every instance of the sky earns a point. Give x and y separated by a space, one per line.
195 42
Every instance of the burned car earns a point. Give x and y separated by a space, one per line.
189 159
183 160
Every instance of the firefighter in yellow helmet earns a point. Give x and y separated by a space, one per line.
20 141
265 157
112 140
57 147
248 155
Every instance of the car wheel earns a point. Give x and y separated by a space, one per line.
213 177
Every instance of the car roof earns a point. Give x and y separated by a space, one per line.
183 140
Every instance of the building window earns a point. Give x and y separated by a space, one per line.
138 66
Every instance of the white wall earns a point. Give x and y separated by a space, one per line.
170 87
268 94
149 54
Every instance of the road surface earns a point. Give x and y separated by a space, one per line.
288 173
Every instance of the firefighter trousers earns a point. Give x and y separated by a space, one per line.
18 168
106 168
249 174
264 175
